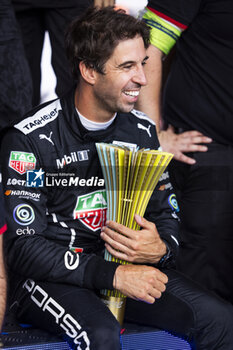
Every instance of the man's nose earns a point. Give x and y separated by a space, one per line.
139 76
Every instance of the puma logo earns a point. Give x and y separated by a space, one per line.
42 136
142 127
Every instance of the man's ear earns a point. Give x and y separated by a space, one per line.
87 73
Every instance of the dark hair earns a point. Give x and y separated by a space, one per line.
93 37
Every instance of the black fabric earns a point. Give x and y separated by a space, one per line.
198 96
184 309
73 313
187 309
2 212
181 11
199 93
21 5
205 192
36 17
61 218
15 80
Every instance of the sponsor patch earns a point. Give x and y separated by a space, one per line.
76 249
73 157
23 194
164 176
25 231
40 119
162 188
172 201
22 161
64 320
71 260
23 214
15 182
91 209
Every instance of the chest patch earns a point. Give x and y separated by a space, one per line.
91 209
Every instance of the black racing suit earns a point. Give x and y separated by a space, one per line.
54 250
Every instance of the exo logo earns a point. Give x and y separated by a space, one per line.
22 161
91 209
71 260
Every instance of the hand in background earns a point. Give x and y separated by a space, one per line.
188 141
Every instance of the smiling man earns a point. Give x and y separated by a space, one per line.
118 86
57 234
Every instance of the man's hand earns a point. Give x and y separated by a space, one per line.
189 141
144 246
140 282
103 3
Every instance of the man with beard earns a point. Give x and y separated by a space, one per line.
56 236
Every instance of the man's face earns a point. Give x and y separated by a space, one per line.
118 89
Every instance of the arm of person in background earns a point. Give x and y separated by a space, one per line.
2 284
149 100
163 38
102 3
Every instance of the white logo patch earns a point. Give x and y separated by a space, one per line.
73 157
69 260
40 119
49 305
142 127
44 137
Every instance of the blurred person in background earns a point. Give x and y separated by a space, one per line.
35 17
15 79
197 106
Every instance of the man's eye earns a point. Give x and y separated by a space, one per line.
144 63
129 66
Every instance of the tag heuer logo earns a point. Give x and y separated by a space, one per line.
91 209
22 161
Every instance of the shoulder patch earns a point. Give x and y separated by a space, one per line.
142 115
40 118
